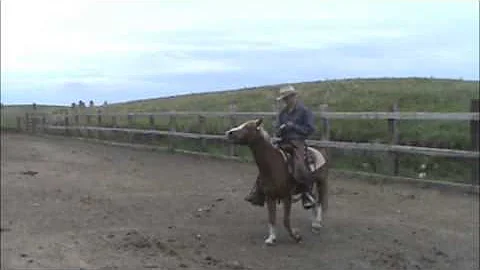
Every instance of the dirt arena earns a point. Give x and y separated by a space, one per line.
70 204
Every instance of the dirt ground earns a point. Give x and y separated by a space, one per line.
70 204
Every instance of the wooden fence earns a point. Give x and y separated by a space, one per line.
34 122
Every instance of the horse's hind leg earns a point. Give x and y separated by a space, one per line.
287 208
272 212
317 213
322 202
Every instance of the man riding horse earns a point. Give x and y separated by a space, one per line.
293 126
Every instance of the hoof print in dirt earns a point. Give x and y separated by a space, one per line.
235 265
30 173
136 241
439 253
151 266
204 211
210 260
109 268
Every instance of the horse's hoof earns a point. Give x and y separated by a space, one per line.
296 236
270 241
316 227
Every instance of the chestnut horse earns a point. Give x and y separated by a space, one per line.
276 178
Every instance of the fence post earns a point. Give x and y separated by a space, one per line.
394 139
19 123
81 114
151 120
172 127
474 137
89 122
66 125
114 121
44 123
99 117
27 122
34 120
130 122
114 133
99 123
202 126
232 148
89 119
77 118
325 122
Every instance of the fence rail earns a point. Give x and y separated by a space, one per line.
320 143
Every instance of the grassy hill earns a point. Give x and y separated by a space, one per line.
411 94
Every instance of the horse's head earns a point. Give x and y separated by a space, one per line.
247 132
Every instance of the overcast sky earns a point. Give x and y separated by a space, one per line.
57 52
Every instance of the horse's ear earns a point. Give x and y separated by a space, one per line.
259 122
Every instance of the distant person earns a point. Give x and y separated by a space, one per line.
294 125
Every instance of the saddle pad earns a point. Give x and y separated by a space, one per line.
316 160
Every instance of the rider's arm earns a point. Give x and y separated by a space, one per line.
308 127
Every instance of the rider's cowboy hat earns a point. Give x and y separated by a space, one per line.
286 91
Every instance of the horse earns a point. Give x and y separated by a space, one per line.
276 178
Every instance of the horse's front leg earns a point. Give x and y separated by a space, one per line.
272 212
287 209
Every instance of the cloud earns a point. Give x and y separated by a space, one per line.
158 45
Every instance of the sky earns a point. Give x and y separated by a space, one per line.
59 52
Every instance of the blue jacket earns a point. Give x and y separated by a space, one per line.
303 121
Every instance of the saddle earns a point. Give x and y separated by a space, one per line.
287 150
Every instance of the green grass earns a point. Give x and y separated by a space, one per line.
353 95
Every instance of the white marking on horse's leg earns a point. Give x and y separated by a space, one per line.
317 217
272 237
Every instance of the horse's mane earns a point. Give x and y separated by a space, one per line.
268 138
264 133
